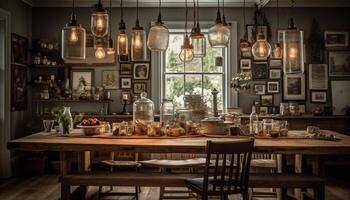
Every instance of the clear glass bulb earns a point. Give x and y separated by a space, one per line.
73 38
186 55
293 52
261 48
100 53
99 23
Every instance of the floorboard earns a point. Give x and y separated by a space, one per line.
46 187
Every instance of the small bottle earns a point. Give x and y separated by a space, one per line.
253 120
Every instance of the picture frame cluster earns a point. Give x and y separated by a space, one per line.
134 76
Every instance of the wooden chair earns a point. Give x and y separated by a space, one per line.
265 163
226 179
120 160
170 162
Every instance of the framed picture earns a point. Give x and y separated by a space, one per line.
339 63
260 89
318 77
275 73
82 80
336 39
318 96
246 64
125 83
247 73
19 97
141 71
294 87
19 49
125 69
247 54
280 35
273 87
110 79
264 110
275 63
123 58
259 71
340 89
266 100
219 61
139 87
252 32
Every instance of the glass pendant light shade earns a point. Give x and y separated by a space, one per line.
138 44
123 43
186 54
199 45
138 40
158 35
99 21
73 40
261 49
110 48
293 54
219 34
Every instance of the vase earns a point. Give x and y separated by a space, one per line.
68 120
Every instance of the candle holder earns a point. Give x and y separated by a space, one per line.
125 100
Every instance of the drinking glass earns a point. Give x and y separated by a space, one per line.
48 125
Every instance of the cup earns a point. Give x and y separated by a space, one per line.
48 125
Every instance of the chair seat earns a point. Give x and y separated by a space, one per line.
196 184
121 163
264 163
195 162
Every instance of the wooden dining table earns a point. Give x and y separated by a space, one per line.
83 145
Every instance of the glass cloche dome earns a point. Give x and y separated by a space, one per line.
143 110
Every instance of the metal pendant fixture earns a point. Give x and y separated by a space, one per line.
123 42
73 39
261 49
277 51
186 54
219 34
110 48
198 39
158 36
99 21
138 40
293 48
244 44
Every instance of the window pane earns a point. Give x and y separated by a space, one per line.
172 60
193 84
174 89
209 83
194 66
209 59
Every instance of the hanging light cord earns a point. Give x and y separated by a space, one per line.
73 6
223 8
137 10
194 13
278 15
121 10
244 13
186 17
110 18
197 10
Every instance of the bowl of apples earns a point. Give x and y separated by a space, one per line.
91 126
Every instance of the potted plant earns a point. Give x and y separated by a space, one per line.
64 119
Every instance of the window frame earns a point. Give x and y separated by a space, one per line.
231 60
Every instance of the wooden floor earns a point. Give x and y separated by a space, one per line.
46 187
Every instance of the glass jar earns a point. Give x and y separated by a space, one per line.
284 109
267 126
258 125
284 128
143 110
166 112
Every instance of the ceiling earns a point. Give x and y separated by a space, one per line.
180 3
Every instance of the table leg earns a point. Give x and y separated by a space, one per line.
65 189
283 170
318 169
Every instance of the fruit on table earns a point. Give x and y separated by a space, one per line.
90 122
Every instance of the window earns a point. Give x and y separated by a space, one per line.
200 76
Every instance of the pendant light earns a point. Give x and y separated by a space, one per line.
261 49
158 36
277 51
99 21
123 42
223 15
138 39
73 39
100 53
219 35
293 46
186 54
198 40
244 44
110 48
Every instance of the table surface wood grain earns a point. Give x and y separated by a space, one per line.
50 142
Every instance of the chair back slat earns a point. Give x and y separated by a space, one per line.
231 169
